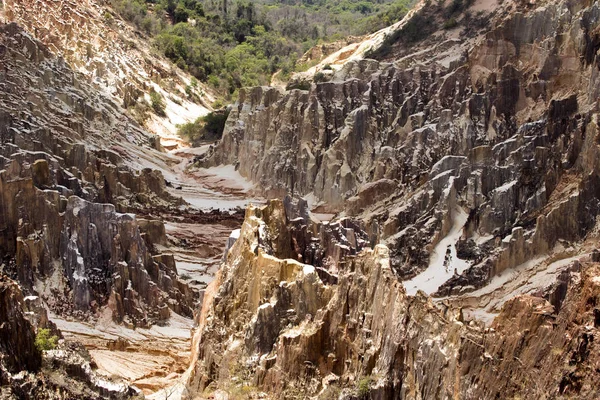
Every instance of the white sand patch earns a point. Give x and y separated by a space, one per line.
227 176
442 264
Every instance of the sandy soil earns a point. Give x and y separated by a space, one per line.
148 358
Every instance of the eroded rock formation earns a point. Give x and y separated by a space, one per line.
273 325
500 125
470 154
69 170
62 373
114 57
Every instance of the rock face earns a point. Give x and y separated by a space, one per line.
114 58
69 171
61 373
273 325
471 157
499 125
17 336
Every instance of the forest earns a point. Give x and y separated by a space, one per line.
232 44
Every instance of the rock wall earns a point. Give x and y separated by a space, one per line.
274 326
17 337
68 158
114 57
500 123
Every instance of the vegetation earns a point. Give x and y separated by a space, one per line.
209 127
426 21
158 103
363 388
45 341
301 85
319 77
231 44
416 29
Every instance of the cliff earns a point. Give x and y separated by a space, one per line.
273 326
488 129
466 155
70 170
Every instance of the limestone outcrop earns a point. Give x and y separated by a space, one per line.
273 328
69 175
490 138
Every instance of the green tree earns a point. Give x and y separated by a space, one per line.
44 340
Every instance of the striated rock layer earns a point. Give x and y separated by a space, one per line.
468 160
69 171
114 57
491 134
273 326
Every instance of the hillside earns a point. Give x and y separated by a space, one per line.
117 61
238 44
410 211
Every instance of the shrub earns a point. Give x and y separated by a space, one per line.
327 67
157 103
181 14
302 85
108 18
319 77
451 23
364 386
209 127
215 123
45 341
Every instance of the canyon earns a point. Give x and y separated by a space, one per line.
421 221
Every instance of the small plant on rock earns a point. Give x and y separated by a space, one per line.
44 340
363 388
158 104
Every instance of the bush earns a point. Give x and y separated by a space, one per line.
451 23
210 127
301 85
319 77
215 123
108 18
364 386
45 341
157 103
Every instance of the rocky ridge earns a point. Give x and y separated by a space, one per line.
70 168
273 327
498 125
